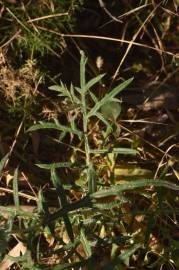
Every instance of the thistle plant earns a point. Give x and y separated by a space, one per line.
85 218
96 219
105 110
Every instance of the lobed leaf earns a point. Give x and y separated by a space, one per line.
45 125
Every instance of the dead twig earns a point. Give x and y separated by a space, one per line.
102 5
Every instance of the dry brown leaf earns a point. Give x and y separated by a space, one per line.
19 249
9 177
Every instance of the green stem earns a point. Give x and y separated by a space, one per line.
86 141
85 129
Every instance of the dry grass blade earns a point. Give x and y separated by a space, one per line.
118 40
170 12
11 39
146 141
102 5
128 13
149 17
21 194
162 160
14 143
48 17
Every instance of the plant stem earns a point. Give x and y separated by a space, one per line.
85 129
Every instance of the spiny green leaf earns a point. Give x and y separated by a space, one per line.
117 189
45 125
110 205
124 151
62 89
60 165
55 165
74 97
57 88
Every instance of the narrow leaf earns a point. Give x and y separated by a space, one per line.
74 97
94 98
82 71
109 96
86 245
92 186
57 88
3 162
15 188
42 206
117 189
110 204
100 116
62 89
94 81
45 125
124 151
61 165
58 186
117 89
56 165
